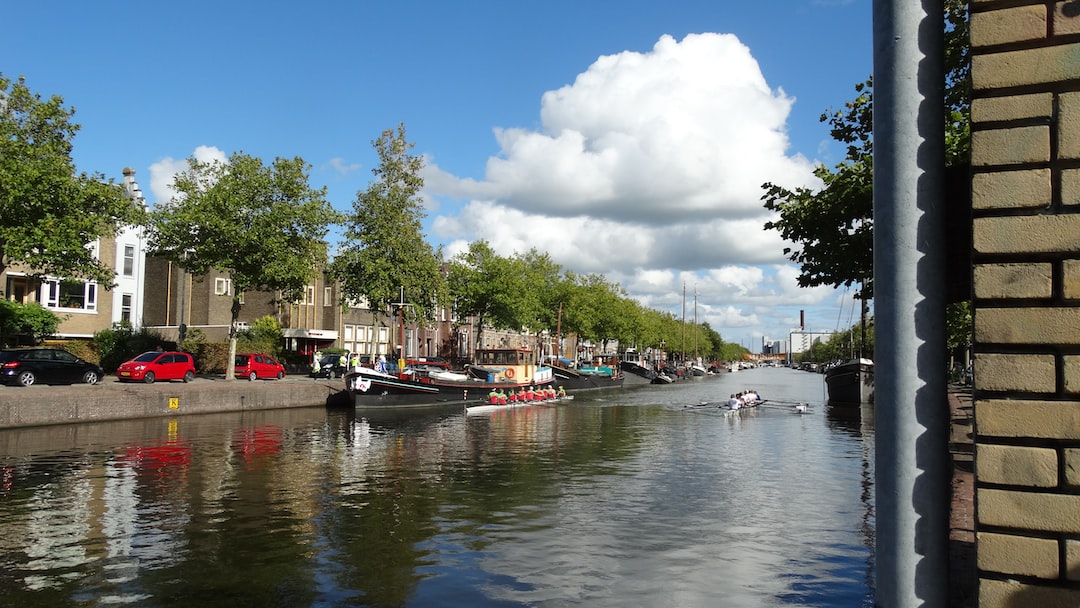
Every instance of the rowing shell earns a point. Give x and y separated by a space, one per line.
483 407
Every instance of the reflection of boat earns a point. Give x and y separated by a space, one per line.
505 368
851 382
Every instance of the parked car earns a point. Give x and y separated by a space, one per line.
258 366
157 365
28 366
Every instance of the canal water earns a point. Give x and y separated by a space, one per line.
633 497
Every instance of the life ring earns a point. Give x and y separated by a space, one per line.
510 372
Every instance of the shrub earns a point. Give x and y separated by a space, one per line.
114 346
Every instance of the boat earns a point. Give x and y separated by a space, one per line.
486 406
851 382
586 378
422 386
635 369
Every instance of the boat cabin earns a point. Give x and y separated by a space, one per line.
510 365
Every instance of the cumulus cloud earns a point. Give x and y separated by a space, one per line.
163 172
647 162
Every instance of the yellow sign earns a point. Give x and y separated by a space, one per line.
174 403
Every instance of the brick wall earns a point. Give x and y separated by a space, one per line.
1026 253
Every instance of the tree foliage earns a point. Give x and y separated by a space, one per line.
49 214
263 226
30 322
384 255
833 227
487 286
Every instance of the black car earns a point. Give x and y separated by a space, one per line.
28 366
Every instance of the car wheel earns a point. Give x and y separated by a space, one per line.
148 378
27 378
252 376
91 377
189 376
280 375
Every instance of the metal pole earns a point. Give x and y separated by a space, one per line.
912 463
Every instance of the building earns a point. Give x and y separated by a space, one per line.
85 307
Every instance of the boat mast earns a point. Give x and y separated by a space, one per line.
683 361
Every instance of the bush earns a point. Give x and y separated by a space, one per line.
114 346
25 323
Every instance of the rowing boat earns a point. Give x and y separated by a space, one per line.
484 407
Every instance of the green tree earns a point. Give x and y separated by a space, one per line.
489 287
32 322
48 212
264 226
384 256
833 227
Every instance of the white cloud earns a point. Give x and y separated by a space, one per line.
164 171
648 169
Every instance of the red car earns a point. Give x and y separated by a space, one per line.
157 365
258 366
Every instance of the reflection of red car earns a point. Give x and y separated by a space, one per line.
157 365
258 366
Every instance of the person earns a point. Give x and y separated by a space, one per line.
343 361
354 360
734 403
502 397
493 396
315 365
562 391
381 365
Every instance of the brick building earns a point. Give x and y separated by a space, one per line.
1026 300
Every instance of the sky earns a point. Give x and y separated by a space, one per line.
625 138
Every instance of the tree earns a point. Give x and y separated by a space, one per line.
48 213
833 226
263 226
489 287
384 256
32 322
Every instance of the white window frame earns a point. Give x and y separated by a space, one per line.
50 295
222 286
128 263
126 307
328 296
309 295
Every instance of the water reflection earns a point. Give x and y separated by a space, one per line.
624 498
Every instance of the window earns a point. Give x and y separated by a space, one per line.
328 296
221 287
125 308
309 295
73 295
240 297
129 260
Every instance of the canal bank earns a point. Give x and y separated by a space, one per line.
114 400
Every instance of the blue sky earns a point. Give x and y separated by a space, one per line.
626 138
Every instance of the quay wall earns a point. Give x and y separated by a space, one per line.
113 400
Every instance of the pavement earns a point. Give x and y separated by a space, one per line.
963 574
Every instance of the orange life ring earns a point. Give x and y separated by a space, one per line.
510 372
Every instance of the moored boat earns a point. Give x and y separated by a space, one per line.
851 382
581 380
636 369
495 368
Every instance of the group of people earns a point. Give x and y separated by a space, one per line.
525 394
744 399
346 361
